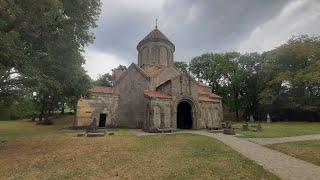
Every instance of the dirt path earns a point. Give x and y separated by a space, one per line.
265 141
282 165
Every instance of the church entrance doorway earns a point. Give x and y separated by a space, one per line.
184 115
102 120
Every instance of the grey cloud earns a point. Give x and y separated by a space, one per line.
194 26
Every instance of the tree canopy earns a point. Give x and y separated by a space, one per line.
283 81
42 49
41 58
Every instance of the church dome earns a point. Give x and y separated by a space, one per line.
155 50
155 36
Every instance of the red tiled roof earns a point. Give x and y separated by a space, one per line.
205 99
213 95
103 90
157 94
209 94
204 91
155 35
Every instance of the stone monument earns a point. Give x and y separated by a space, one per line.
251 118
268 118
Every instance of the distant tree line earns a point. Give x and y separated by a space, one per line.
41 54
284 82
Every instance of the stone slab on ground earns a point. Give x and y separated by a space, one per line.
81 134
216 131
3 141
282 165
266 141
95 134
140 132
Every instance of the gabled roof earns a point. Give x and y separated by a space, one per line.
133 65
103 90
157 94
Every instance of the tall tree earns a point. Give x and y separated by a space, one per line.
120 67
292 81
104 80
223 73
251 64
51 35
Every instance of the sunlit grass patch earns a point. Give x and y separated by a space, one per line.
282 129
50 153
305 150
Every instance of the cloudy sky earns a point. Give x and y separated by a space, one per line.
197 27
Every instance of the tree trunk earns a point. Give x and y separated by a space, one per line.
42 111
62 109
74 123
235 96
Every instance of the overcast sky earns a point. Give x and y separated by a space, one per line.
197 27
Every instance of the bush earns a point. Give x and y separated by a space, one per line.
19 108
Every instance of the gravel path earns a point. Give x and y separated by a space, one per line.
282 165
265 141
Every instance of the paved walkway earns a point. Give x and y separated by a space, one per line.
265 141
282 165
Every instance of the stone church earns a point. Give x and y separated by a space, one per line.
153 94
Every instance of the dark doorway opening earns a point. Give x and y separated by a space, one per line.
184 115
102 120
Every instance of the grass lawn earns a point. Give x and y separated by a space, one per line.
44 152
282 129
305 150
13 129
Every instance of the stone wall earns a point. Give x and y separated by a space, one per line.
210 114
165 87
184 86
155 53
132 104
88 109
165 75
158 114
84 112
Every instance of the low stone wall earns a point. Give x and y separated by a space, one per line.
88 109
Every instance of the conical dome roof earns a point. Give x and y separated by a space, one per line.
154 36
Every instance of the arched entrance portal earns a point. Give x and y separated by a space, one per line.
184 115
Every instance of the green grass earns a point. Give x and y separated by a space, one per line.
36 153
306 150
282 129
18 128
